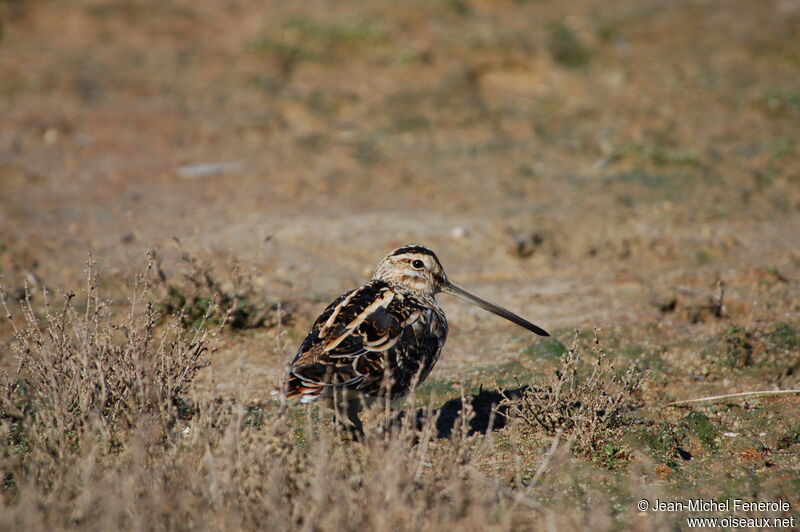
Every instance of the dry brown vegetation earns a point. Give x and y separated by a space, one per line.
88 379
102 430
630 166
590 408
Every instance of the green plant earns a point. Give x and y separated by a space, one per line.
225 296
566 48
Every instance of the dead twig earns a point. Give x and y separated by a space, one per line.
761 393
548 457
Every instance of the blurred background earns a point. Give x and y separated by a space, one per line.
573 160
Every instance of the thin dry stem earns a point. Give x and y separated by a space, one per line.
762 393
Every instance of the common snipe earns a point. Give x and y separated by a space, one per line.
382 339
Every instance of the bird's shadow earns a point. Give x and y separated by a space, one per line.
487 413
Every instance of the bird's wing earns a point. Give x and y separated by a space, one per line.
348 342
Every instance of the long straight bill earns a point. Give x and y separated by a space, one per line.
454 289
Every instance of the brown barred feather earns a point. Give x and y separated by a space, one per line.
382 338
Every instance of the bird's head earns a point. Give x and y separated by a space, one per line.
417 268
413 267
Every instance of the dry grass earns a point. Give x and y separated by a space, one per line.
589 408
98 430
87 378
104 430
99 436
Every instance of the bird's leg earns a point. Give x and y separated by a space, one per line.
345 415
353 409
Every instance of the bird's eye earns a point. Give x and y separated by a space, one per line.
418 264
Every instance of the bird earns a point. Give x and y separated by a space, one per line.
381 340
